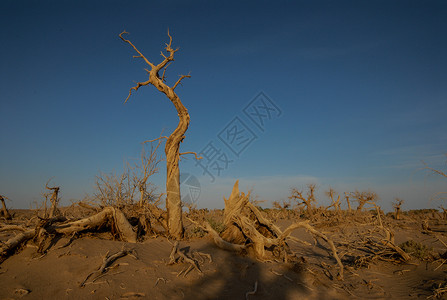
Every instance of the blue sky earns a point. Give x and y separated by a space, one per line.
361 86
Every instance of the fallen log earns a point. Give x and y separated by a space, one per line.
117 217
48 227
14 242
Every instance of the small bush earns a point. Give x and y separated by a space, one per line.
198 232
216 225
416 249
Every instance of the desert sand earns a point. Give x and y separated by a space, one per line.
371 271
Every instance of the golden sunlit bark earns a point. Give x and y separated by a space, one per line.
173 198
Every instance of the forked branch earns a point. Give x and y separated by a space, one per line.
179 80
135 48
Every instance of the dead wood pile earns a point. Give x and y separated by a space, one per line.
47 228
246 229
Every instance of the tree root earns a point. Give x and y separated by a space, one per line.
182 256
246 226
252 292
108 260
48 228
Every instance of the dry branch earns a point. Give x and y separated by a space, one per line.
434 171
12 227
307 226
108 260
389 236
53 199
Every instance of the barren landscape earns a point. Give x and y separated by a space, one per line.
322 125
381 256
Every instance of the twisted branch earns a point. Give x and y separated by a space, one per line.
191 152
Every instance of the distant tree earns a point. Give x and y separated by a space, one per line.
173 198
307 200
363 198
331 193
347 195
54 199
397 204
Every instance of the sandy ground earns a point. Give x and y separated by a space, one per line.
146 274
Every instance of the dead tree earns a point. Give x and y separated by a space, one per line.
347 201
396 206
307 201
331 193
172 148
54 199
143 169
248 229
5 213
49 227
363 198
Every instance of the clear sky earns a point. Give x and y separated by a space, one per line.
356 95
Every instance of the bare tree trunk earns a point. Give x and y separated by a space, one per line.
309 209
397 206
349 203
5 211
361 204
141 196
397 214
233 208
173 198
54 201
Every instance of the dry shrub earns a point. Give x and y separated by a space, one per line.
132 185
416 249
